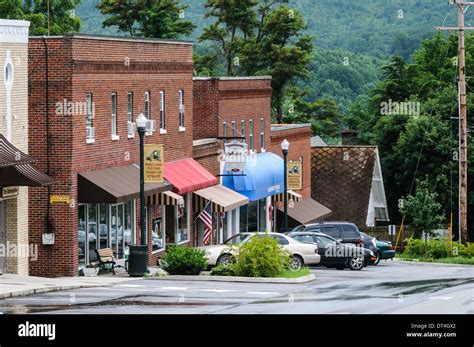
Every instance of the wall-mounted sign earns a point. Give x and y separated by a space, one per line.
60 199
154 163
295 175
235 156
9 192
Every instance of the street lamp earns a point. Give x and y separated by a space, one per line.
138 258
284 148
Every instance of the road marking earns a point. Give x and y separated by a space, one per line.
215 290
172 288
263 293
131 285
440 297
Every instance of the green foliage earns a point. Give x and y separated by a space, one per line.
422 210
437 249
63 19
180 260
148 18
261 257
223 270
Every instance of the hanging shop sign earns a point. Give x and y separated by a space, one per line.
60 199
154 163
9 192
235 156
295 176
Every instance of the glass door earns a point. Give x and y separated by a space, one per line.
117 230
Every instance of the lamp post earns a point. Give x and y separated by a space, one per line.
138 258
284 148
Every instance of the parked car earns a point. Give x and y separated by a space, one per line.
382 249
301 253
346 232
334 253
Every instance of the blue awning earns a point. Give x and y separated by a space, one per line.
263 177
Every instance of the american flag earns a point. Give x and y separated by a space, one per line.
206 217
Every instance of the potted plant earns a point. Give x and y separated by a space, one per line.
90 270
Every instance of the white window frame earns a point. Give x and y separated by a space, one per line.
163 224
89 116
147 105
130 114
251 134
234 129
224 129
262 133
113 106
181 110
242 129
162 112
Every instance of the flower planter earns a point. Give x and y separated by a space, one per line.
90 272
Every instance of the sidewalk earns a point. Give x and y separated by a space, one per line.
16 285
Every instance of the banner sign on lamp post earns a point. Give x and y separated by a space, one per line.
295 177
153 163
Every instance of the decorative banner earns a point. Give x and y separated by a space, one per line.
60 199
153 163
295 175
9 192
235 156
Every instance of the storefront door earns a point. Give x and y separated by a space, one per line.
2 236
117 231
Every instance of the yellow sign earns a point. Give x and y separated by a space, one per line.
9 192
295 175
154 163
59 199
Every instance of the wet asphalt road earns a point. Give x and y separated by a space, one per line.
390 287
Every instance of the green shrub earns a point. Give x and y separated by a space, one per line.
180 260
415 248
464 251
223 270
261 256
439 249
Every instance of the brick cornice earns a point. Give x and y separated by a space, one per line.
122 67
245 93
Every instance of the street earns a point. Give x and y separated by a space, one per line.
391 287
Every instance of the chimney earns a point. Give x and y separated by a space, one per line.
349 137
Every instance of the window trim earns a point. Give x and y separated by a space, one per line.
262 133
147 104
113 114
224 129
251 130
162 112
89 116
242 129
181 110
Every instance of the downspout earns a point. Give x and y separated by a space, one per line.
49 225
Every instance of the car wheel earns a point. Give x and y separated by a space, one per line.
377 260
225 260
296 263
356 263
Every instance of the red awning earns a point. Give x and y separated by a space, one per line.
188 176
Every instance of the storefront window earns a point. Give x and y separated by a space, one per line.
243 218
170 216
262 215
81 234
182 216
102 226
252 216
157 239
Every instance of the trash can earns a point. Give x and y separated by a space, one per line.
138 260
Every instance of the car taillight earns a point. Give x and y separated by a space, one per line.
392 248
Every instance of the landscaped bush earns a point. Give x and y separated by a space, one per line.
437 249
261 256
415 248
180 260
223 270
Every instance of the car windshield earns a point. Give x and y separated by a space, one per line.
298 228
236 239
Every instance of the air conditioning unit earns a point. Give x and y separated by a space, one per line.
150 126
132 127
90 134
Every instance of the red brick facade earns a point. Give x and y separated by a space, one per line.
299 137
79 65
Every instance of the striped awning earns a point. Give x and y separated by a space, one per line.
10 155
291 195
222 198
166 198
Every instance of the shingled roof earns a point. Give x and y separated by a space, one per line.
342 180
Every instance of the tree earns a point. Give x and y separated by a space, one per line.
422 210
148 18
62 15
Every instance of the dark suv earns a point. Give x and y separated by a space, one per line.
345 231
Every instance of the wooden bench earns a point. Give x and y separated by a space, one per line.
107 260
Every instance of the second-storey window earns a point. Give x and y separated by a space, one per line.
242 126
113 103
234 129
181 108
90 134
162 110
251 134
147 105
262 132
224 129
130 107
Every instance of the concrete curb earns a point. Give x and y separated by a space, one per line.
303 279
427 263
26 292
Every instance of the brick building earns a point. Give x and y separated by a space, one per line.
16 170
86 140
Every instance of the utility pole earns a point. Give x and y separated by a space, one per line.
461 7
